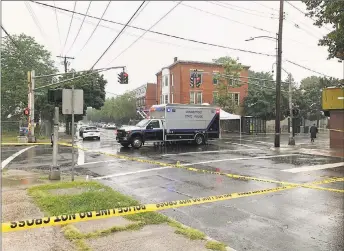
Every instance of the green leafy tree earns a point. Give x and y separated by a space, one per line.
230 78
261 97
15 63
309 96
120 109
329 12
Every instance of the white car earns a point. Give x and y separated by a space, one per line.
91 132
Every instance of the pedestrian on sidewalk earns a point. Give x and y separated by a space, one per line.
313 131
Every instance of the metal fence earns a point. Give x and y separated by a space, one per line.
10 127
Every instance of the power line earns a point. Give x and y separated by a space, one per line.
304 67
36 21
70 25
227 6
125 26
142 9
21 54
147 31
95 28
163 34
304 13
135 35
231 20
89 5
270 8
57 23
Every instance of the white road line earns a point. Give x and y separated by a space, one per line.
243 158
123 174
9 159
201 152
104 161
81 156
313 168
250 146
257 141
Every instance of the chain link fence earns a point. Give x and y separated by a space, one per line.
10 127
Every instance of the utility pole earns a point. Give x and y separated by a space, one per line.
31 106
291 130
278 79
65 62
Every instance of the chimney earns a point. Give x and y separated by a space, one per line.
175 59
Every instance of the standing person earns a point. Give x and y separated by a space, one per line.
313 131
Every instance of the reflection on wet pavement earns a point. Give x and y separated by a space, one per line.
297 219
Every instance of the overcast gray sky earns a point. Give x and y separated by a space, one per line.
229 25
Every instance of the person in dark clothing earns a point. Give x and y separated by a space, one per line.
313 131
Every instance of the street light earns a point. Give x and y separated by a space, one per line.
252 38
278 75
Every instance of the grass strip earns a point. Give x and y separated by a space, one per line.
215 245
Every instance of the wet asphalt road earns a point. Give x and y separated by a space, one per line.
295 219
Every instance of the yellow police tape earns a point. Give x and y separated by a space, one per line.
234 176
107 213
24 144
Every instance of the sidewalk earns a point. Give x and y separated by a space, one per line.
146 232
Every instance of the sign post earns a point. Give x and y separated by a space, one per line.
72 103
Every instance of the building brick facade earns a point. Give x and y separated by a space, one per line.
173 83
145 96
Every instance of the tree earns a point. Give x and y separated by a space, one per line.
230 78
119 110
261 97
15 63
309 96
93 86
329 12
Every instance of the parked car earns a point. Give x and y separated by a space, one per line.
82 128
111 126
91 132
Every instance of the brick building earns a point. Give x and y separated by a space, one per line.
173 83
145 96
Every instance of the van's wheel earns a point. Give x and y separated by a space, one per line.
125 144
136 143
199 140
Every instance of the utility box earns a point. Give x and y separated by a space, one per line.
333 98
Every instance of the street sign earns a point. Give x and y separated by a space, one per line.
67 101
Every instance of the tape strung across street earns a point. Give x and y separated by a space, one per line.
107 213
233 176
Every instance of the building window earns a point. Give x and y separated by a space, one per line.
215 78
215 96
195 97
171 79
236 98
165 80
166 99
172 99
234 81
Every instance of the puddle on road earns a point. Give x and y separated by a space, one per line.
304 160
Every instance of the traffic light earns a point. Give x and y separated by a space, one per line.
125 78
192 80
120 78
26 111
296 112
55 96
198 81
